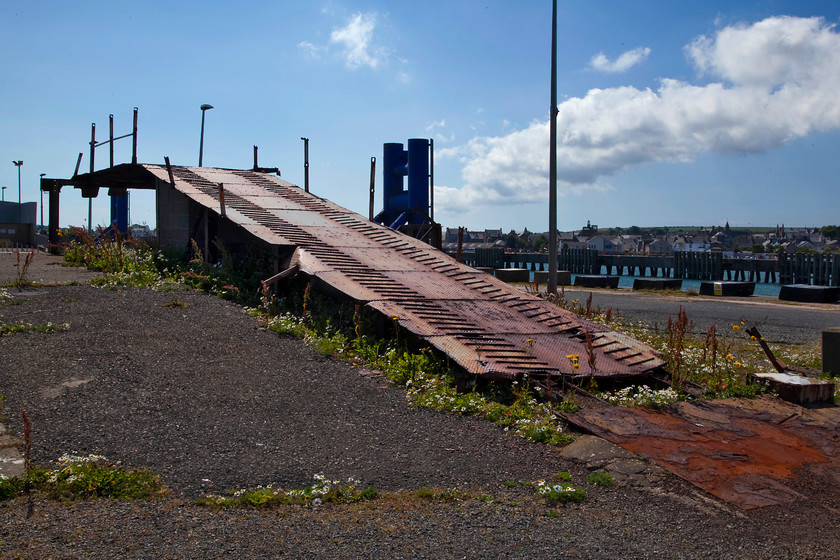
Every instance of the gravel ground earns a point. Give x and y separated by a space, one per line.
203 396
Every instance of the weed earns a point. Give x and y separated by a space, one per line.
677 330
560 493
9 328
600 479
321 492
175 303
563 475
641 395
81 477
22 270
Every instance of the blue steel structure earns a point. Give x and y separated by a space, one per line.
401 206
119 212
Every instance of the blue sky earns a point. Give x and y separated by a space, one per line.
670 113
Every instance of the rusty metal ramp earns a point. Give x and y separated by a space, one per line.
750 452
486 326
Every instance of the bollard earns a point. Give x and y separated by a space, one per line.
831 350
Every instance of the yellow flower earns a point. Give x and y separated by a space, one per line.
736 328
730 357
738 364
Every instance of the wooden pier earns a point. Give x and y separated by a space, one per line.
814 269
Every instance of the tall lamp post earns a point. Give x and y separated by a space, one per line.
204 108
4 194
40 229
552 161
18 164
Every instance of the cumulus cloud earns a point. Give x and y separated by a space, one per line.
623 63
356 40
770 82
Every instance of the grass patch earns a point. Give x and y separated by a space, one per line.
323 491
84 477
12 328
600 479
560 493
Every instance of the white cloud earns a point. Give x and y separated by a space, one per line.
437 124
310 50
621 64
356 39
779 80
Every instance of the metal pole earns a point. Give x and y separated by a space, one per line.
372 185
201 142
111 139
552 161
134 139
204 108
432 179
305 163
42 201
92 151
18 164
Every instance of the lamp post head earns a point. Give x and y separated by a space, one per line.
18 163
205 106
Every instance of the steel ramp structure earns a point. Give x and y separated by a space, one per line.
486 326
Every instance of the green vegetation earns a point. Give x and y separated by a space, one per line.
321 492
133 263
716 363
560 493
600 479
10 328
83 477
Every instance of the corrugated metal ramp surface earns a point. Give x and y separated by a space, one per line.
486 326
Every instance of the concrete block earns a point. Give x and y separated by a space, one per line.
808 293
583 281
513 274
831 350
657 283
796 388
737 289
564 277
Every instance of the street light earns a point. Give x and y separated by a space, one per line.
204 108
4 194
18 164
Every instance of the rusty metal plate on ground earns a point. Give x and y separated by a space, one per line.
490 328
750 452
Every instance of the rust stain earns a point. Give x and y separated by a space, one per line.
745 451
